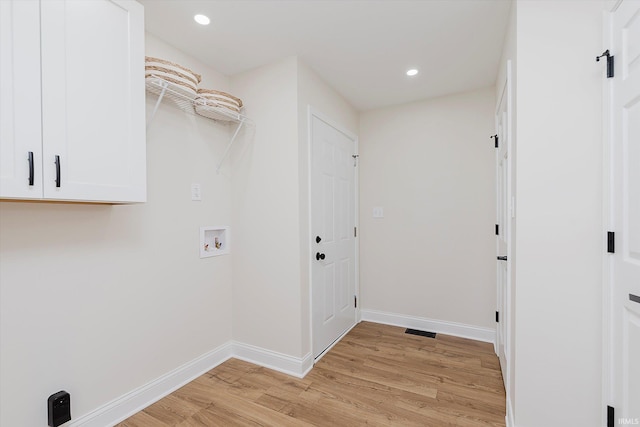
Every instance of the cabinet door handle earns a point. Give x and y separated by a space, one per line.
31 168
57 162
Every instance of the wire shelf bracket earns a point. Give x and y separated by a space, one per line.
206 109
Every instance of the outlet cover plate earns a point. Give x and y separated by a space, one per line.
196 192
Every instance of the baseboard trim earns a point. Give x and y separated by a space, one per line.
138 399
509 419
439 326
294 366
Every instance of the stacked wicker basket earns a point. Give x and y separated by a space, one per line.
209 97
184 83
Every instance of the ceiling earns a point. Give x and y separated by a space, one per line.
361 48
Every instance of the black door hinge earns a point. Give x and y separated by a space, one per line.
355 301
497 316
497 230
355 231
611 418
611 242
609 62
496 139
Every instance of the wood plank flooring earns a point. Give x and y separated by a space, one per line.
377 375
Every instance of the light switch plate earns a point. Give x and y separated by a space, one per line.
196 193
378 212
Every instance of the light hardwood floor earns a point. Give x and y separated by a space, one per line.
377 375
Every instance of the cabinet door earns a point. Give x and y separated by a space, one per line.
20 126
93 119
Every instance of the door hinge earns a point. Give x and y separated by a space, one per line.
355 231
496 139
611 417
497 316
497 230
355 159
355 301
606 53
611 242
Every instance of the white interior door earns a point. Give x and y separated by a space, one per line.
625 268
503 196
333 233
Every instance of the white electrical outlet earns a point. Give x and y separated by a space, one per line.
378 212
196 194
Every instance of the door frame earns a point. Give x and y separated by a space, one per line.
311 113
607 222
507 94
608 217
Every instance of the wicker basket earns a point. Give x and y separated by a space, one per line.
218 105
184 80
217 95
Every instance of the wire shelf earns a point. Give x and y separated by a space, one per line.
202 107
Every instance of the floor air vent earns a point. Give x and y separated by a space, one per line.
421 333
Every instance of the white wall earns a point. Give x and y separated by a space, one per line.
270 204
314 92
559 204
266 262
98 300
91 291
431 166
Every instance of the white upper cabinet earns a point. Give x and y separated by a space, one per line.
20 114
73 75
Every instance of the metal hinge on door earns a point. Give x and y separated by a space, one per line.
497 230
355 159
496 139
611 242
497 316
611 417
355 301
609 62
355 231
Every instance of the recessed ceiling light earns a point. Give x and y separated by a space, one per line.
202 20
412 72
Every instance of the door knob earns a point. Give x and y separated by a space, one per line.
502 258
318 239
319 256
